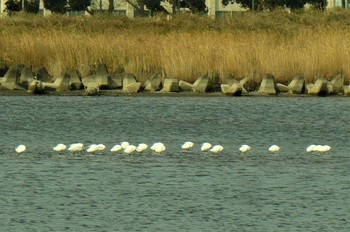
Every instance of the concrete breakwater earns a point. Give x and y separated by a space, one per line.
22 79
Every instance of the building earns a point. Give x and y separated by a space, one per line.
338 3
2 7
217 9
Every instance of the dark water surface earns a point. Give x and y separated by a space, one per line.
178 191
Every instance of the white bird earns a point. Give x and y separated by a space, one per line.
76 147
116 148
274 148
130 149
318 148
124 145
100 147
217 149
141 147
244 148
327 147
205 146
158 147
323 148
60 147
311 148
20 149
92 148
187 145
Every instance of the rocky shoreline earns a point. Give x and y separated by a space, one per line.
22 81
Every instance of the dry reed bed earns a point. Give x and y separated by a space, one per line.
244 45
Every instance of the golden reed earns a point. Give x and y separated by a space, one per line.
312 44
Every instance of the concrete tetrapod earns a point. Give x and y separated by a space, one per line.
9 81
231 90
170 85
297 85
338 84
74 80
62 83
268 85
130 85
26 77
153 83
318 88
199 86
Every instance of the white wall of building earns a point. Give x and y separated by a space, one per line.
2 6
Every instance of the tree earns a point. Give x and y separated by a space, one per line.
13 5
295 4
110 6
272 4
194 5
318 4
31 6
79 5
56 6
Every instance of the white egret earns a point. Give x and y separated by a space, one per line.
217 149
187 145
92 148
21 149
130 149
244 148
158 147
323 148
76 147
116 148
141 147
101 147
124 145
205 146
274 148
311 148
318 148
59 147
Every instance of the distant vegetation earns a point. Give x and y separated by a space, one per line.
155 6
314 44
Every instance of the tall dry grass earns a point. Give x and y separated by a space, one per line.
310 44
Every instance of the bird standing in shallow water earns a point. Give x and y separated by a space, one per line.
141 147
124 145
76 148
59 147
158 147
274 148
92 149
205 146
244 148
217 149
21 149
311 148
187 145
323 148
130 149
116 148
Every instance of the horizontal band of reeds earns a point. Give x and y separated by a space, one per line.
313 44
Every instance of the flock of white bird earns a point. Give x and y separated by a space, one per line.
158 148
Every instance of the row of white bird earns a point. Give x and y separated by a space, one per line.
159 148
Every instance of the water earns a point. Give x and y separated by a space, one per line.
177 191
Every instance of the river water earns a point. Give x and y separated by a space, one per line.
177 191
